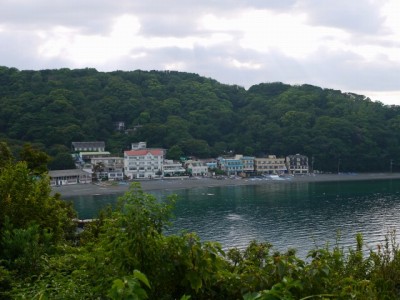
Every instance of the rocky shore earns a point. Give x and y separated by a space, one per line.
188 183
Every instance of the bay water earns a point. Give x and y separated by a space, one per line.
297 215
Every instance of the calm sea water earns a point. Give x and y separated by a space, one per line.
288 215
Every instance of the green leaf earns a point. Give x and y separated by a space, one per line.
195 280
139 275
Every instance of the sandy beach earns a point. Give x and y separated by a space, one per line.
188 183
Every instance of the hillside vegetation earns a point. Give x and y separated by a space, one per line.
198 116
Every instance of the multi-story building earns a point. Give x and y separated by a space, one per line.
230 166
211 164
270 165
111 168
172 168
297 164
196 168
85 151
248 163
143 163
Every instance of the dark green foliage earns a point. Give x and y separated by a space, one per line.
175 152
61 161
124 254
36 160
56 107
129 287
26 199
23 249
5 155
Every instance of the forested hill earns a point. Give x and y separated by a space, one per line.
198 116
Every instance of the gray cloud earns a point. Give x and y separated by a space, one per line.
360 16
164 25
180 17
158 18
88 15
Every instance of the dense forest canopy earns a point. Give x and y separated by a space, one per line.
196 116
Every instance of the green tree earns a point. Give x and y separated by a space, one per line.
62 161
26 199
175 152
36 160
177 130
5 155
199 148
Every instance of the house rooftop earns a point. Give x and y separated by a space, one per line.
70 172
142 152
88 144
94 153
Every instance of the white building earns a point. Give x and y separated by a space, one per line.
171 168
143 163
196 168
138 146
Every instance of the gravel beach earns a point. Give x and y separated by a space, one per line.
188 183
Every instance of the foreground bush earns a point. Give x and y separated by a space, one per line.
126 255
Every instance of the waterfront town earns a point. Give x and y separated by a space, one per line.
93 163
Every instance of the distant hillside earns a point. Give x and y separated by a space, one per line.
198 116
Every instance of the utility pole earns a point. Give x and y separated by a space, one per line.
338 166
391 166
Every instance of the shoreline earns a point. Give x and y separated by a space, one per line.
77 190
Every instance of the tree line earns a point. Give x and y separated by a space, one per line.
195 116
125 254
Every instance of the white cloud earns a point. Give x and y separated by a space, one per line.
245 65
387 97
391 12
262 31
91 49
177 66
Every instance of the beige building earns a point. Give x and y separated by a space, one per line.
196 168
270 165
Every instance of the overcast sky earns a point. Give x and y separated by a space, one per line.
353 46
